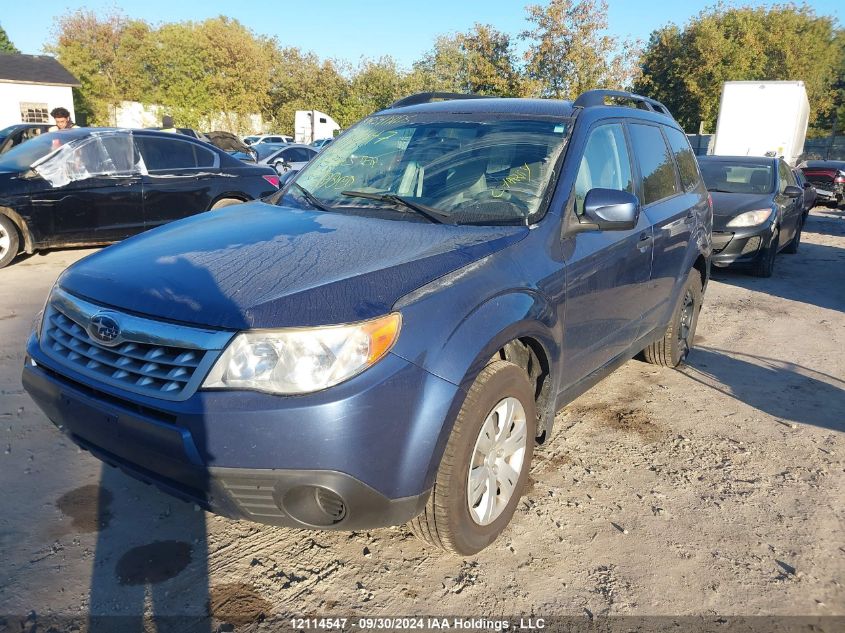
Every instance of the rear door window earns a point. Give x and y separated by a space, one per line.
657 168
684 156
605 164
171 154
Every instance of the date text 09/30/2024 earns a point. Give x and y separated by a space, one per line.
428 623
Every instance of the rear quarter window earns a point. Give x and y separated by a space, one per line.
685 158
657 168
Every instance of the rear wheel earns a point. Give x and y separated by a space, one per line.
765 264
674 347
9 241
485 464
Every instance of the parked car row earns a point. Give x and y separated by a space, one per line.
387 337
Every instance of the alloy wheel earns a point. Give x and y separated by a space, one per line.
497 461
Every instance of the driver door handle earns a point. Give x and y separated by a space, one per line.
646 239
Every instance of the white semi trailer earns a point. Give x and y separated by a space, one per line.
762 118
313 125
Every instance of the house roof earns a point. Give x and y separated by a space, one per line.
34 69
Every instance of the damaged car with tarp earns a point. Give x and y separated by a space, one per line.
95 186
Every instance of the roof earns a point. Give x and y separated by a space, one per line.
752 160
537 107
35 69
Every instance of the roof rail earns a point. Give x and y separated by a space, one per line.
428 97
598 97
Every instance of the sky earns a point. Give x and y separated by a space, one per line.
347 30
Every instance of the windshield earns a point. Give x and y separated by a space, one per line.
471 169
724 177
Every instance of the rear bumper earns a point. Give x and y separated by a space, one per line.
740 246
362 459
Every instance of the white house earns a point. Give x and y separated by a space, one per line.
31 86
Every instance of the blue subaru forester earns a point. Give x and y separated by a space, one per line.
387 338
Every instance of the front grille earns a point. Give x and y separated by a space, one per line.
153 368
149 359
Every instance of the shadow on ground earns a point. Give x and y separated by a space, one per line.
784 390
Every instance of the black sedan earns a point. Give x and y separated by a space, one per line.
95 186
758 210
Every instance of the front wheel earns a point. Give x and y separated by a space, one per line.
674 347
765 264
485 464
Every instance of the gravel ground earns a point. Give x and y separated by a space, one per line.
716 489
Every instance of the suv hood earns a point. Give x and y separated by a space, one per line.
262 266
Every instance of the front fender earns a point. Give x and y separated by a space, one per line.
452 328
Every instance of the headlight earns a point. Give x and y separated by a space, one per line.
751 218
302 360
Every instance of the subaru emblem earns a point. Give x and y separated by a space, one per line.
104 329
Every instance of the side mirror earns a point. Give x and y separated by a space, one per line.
609 210
807 185
791 191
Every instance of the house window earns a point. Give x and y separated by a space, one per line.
34 113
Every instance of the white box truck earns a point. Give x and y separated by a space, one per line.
760 118
313 125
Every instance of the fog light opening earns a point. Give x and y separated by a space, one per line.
314 506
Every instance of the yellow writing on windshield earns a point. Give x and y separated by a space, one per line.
520 174
336 180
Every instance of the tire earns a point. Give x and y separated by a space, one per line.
674 347
764 266
449 521
225 202
795 242
9 241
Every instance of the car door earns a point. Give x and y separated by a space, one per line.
606 271
671 207
91 193
182 178
792 209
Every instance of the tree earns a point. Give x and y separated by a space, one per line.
685 68
103 54
491 62
6 45
570 53
480 61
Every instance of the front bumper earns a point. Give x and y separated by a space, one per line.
740 246
360 455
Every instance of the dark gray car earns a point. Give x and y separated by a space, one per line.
758 210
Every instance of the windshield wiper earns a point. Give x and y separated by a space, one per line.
432 214
312 199
720 191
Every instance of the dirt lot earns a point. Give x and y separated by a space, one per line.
717 489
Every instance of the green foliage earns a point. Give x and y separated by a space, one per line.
570 51
6 45
195 70
198 70
685 68
481 61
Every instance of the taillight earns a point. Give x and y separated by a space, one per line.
710 200
273 180
839 178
